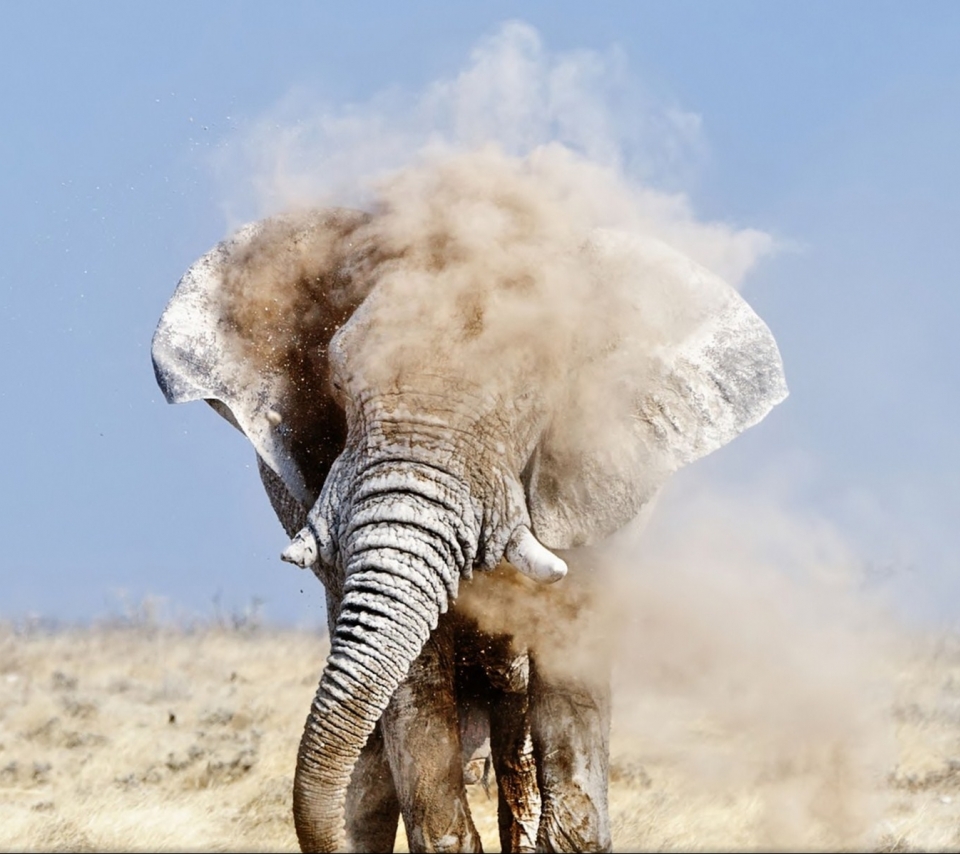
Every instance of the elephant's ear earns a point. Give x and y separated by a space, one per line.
247 330
688 366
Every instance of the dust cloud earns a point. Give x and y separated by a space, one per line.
746 657
753 677
309 151
751 659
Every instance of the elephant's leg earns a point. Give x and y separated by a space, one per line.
422 740
518 809
372 807
570 728
506 674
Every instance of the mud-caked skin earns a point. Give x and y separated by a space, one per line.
423 749
571 736
493 685
372 805
513 383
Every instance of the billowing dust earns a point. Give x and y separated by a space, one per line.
484 267
751 678
746 659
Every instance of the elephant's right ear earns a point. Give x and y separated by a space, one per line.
685 367
247 330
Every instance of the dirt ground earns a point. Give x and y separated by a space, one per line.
135 736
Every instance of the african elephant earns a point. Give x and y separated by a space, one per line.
514 383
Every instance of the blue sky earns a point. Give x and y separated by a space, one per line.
126 147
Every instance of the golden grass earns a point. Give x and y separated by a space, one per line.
142 737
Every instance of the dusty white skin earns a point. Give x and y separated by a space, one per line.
514 381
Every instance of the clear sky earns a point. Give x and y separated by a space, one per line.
126 151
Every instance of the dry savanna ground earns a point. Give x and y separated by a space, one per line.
143 737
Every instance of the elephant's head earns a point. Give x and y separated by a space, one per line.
448 382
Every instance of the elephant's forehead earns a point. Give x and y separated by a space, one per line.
472 436
442 401
476 328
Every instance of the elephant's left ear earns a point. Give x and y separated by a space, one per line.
247 330
688 367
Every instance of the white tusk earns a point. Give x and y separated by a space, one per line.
302 550
321 532
534 560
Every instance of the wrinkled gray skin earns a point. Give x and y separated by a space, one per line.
440 474
465 686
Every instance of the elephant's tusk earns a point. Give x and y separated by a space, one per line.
534 560
302 550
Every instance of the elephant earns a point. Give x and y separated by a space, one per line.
470 392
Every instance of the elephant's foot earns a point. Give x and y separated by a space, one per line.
570 821
458 834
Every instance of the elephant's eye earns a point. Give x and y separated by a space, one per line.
335 361
336 389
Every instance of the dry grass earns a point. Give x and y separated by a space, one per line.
141 737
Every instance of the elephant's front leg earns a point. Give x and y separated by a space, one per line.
507 674
518 809
570 715
570 722
372 808
422 741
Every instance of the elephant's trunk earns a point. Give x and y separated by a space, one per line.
404 545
